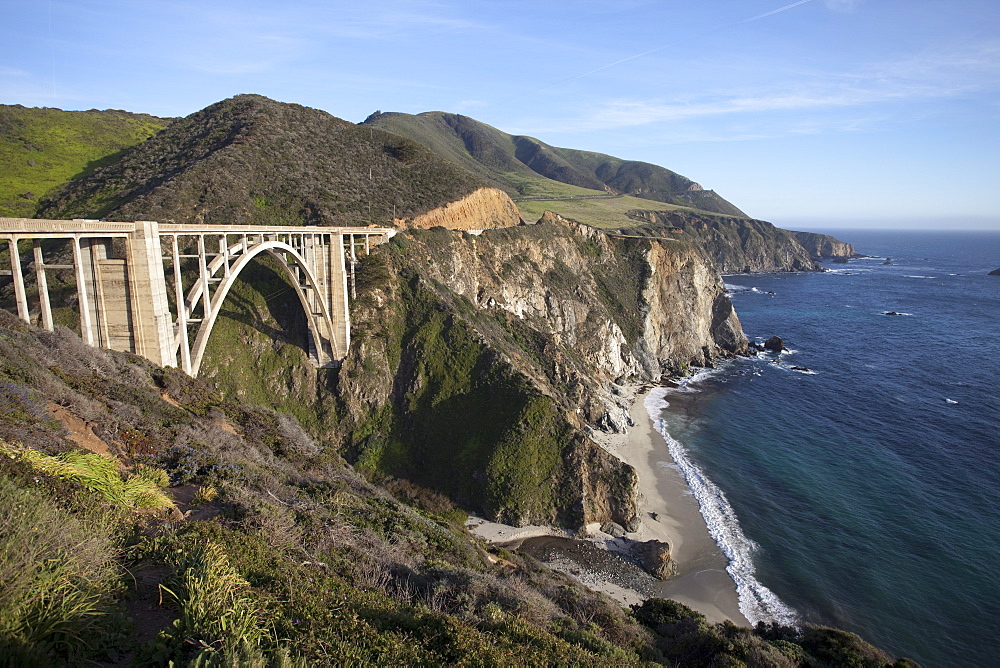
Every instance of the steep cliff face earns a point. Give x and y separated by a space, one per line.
822 246
479 361
486 208
736 245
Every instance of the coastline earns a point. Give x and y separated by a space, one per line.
701 582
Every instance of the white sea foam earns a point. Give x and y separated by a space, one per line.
910 276
757 602
950 401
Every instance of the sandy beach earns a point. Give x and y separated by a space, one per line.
701 581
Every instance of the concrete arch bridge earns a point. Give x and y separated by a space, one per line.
156 289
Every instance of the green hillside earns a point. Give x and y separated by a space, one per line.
41 149
528 168
252 160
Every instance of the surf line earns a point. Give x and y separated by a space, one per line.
757 602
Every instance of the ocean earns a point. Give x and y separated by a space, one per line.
861 490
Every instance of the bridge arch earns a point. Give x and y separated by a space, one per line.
320 323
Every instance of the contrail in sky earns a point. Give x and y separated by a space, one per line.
661 48
775 11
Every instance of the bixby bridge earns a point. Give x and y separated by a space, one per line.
156 289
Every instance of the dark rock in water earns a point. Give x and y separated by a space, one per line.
613 529
654 557
775 343
891 313
888 260
800 368
995 272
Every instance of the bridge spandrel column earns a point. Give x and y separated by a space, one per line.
152 324
20 294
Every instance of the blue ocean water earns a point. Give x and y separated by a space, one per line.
865 492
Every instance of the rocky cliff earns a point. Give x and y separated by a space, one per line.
484 209
479 362
735 245
821 246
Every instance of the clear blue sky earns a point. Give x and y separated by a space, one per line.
810 113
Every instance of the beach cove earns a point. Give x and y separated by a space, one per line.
668 512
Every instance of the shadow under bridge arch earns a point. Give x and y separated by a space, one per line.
308 273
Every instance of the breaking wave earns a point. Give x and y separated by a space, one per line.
757 602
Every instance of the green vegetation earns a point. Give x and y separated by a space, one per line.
58 570
40 149
504 462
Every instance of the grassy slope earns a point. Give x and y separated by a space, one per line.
41 149
527 167
606 213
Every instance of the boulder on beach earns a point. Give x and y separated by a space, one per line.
654 558
775 343
613 529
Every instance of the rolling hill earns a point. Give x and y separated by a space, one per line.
528 168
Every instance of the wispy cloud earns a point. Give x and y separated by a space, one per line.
11 72
938 74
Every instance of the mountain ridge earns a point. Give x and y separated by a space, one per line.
250 160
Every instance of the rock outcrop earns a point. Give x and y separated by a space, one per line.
775 344
735 245
995 272
486 208
479 362
823 246
654 558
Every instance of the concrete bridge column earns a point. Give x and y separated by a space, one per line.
152 324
